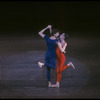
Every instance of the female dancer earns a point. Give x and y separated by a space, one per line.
50 56
61 58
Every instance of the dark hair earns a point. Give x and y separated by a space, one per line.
54 31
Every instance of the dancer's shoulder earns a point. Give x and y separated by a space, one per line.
46 37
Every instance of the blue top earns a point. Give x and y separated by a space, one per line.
50 56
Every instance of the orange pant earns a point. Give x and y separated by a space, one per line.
60 64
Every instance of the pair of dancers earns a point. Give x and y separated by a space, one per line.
54 57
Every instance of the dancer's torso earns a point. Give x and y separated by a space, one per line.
51 47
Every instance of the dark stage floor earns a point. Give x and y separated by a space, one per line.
22 78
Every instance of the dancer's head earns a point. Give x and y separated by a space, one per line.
63 36
55 33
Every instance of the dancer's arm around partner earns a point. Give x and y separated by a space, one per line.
62 47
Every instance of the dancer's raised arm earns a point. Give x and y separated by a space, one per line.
41 32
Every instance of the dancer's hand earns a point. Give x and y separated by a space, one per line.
49 26
64 51
58 43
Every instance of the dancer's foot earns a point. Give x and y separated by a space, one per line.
71 64
40 64
50 85
56 85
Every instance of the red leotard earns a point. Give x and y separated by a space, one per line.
60 63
